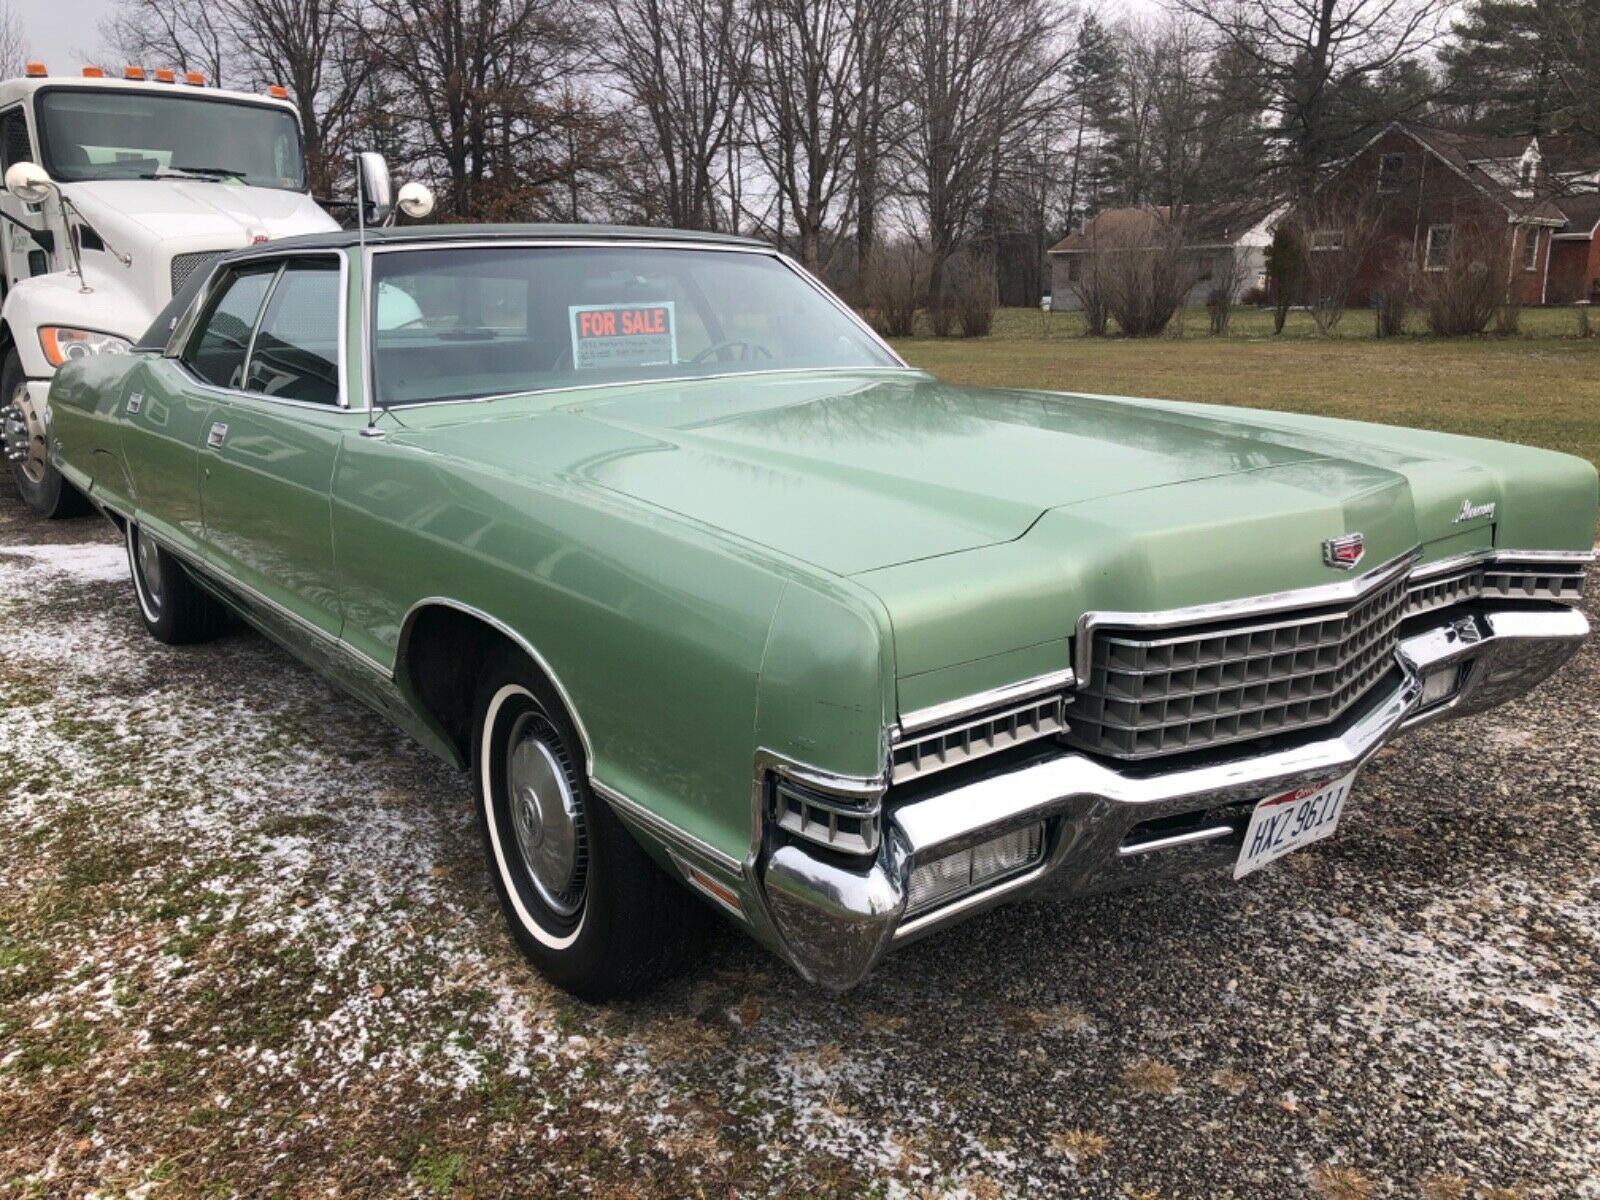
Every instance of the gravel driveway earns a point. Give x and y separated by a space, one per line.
247 948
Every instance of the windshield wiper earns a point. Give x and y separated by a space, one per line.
220 172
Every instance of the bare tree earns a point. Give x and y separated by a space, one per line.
1145 274
483 77
1335 233
804 92
685 65
1310 53
13 43
894 283
190 35
1463 283
876 131
976 75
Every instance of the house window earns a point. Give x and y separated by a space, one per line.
1390 168
1530 250
1074 268
1437 254
1327 239
1202 268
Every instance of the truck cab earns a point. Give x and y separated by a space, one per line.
150 177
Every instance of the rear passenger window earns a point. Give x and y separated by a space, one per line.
218 350
296 355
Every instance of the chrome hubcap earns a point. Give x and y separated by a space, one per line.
546 819
149 568
23 434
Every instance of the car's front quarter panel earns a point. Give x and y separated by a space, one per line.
85 411
654 629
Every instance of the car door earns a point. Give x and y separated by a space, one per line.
167 405
272 442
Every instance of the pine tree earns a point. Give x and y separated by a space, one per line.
1500 72
1092 83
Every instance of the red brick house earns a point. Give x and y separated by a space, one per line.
1429 182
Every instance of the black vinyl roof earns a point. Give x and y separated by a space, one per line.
402 234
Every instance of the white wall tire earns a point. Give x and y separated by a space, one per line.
632 923
173 608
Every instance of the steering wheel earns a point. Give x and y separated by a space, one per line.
742 351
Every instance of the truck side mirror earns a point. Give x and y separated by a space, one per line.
415 200
29 182
374 191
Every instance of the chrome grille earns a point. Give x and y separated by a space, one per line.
922 754
1155 692
1553 581
185 265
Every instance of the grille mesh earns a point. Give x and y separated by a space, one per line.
1559 582
185 265
990 733
1151 693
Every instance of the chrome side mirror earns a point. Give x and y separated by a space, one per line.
374 190
29 182
415 200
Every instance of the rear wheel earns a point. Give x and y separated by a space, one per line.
43 489
587 906
174 608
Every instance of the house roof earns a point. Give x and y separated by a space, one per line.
1213 225
1582 212
1467 152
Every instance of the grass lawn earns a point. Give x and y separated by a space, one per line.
1541 387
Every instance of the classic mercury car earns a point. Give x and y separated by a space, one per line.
715 597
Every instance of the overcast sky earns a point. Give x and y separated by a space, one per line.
64 33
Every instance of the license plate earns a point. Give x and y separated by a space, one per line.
1289 821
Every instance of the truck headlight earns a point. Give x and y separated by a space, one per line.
61 344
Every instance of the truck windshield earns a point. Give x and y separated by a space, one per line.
125 134
463 322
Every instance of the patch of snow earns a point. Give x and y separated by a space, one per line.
90 562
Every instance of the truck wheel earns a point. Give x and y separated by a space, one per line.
43 489
173 607
586 905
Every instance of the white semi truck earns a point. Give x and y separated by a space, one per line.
136 183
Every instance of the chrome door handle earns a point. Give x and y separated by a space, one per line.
219 431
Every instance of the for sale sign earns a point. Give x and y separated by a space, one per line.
623 335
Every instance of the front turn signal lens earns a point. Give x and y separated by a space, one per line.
61 345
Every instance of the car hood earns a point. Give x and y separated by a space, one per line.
150 210
853 472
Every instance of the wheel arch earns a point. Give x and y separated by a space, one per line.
443 647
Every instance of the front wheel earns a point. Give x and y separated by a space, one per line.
586 905
43 489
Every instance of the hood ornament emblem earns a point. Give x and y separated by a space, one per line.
1471 511
1344 552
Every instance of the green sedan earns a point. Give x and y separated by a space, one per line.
721 604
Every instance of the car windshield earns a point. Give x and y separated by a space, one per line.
125 134
464 322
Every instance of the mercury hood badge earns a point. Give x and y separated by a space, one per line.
1344 552
1471 511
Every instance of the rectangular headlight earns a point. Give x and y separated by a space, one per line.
968 871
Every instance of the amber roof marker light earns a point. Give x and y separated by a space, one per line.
36 70
132 72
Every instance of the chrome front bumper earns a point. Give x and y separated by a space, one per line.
1109 828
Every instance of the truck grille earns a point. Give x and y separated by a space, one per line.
1154 692
185 265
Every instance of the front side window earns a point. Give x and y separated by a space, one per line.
1437 255
87 135
1327 239
1530 250
296 351
14 144
465 322
221 343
